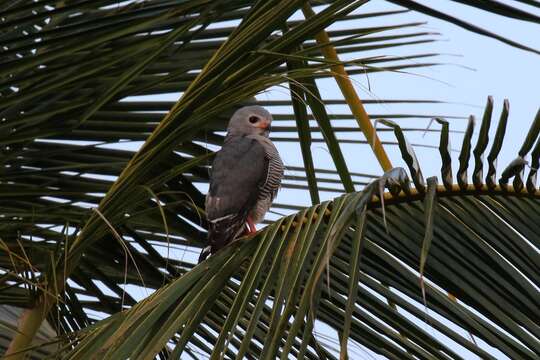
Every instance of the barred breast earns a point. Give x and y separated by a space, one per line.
268 190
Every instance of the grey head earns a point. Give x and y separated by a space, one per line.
250 120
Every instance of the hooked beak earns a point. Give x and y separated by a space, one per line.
264 125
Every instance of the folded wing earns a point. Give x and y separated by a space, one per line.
239 172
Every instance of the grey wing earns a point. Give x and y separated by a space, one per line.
238 171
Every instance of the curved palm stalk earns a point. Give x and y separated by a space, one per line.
496 146
481 144
444 151
408 155
465 154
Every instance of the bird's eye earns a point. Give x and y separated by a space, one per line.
253 119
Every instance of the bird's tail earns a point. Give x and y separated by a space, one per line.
221 232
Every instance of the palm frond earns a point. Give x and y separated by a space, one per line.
372 271
87 121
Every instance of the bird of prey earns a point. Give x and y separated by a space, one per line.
245 178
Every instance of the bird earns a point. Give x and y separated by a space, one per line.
245 178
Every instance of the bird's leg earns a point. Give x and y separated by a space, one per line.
251 225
